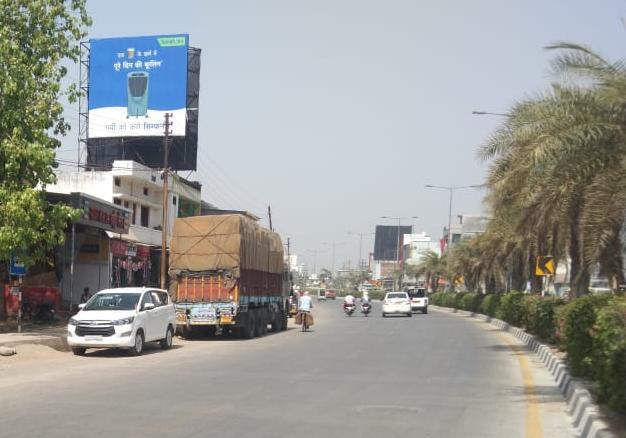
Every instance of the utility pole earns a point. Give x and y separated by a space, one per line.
289 264
269 215
166 153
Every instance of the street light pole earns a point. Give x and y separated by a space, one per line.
360 262
451 190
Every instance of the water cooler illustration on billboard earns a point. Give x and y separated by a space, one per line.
133 82
137 86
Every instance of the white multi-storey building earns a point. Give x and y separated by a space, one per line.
139 189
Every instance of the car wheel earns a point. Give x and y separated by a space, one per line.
410 314
425 310
166 343
79 351
384 315
137 349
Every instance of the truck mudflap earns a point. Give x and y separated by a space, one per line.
189 314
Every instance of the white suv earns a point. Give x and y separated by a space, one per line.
123 318
397 303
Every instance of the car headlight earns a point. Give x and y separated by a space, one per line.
124 321
73 322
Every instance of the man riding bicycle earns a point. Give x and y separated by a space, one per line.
305 305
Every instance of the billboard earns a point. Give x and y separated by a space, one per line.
386 241
133 82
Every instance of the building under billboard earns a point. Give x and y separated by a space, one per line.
130 84
387 240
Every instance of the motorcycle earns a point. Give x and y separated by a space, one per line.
348 309
366 308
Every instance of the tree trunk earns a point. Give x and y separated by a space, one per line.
518 279
579 274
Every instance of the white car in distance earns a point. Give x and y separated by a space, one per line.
123 318
397 303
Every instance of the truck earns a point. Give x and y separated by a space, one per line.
227 275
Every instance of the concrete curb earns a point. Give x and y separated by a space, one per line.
586 417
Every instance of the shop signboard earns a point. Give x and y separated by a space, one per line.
101 214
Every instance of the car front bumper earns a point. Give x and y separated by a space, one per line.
124 337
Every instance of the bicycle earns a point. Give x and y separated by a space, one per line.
304 317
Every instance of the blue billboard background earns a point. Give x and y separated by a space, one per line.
134 81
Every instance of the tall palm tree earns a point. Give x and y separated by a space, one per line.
556 161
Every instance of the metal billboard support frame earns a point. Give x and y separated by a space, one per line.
83 100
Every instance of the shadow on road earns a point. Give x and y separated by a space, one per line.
149 349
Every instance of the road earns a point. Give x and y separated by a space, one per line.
435 375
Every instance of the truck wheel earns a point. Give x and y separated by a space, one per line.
285 320
277 322
247 331
257 324
79 351
264 322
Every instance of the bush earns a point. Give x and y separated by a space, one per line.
539 316
511 308
471 302
575 322
609 337
457 299
436 298
489 304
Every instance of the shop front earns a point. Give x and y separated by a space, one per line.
131 264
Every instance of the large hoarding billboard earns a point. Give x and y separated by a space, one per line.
133 82
386 241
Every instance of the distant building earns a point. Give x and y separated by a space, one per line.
466 227
415 245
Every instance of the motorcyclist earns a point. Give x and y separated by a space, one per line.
365 299
348 300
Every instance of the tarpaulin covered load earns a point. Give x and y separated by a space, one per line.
230 242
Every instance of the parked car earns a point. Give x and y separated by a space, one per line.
397 303
123 318
419 300
599 286
331 294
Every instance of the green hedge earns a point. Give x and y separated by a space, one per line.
511 308
471 302
538 316
610 352
575 323
489 304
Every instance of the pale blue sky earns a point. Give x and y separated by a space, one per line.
336 112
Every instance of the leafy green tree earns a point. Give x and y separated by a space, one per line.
36 38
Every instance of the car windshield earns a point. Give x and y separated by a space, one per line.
396 295
113 301
417 293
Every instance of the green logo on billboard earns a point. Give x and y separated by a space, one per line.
171 41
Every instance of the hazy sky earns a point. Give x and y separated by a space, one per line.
337 112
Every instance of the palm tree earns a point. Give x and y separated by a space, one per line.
559 160
432 266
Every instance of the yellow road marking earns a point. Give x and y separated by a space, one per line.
534 428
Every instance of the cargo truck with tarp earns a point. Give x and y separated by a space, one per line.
227 274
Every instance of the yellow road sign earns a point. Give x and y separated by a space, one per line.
545 266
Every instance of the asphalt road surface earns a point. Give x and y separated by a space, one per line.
435 375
